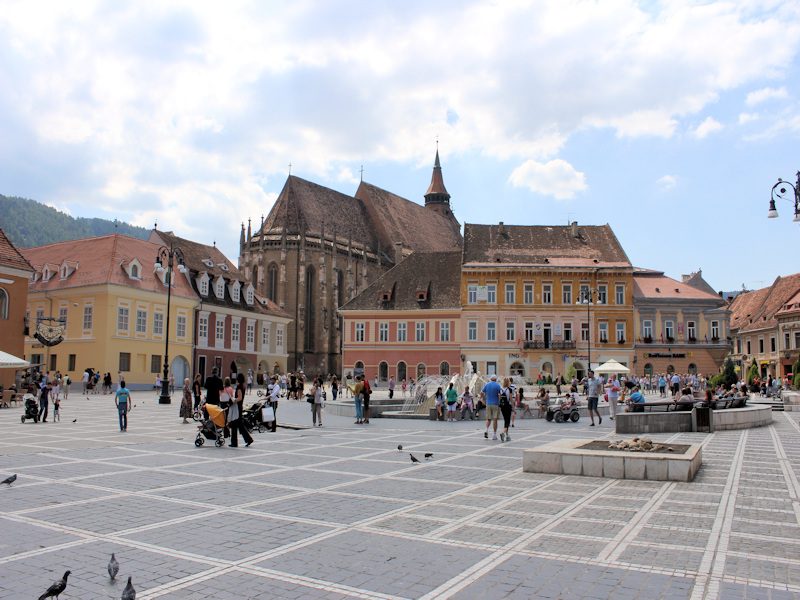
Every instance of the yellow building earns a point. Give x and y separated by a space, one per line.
521 293
112 305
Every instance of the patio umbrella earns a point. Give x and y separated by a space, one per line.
9 361
612 366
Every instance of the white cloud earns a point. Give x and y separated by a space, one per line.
710 125
766 94
667 182
745 118
555 178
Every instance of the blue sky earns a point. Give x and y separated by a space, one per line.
669 120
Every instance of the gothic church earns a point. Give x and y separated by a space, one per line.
318 248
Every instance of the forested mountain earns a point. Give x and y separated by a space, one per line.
29 223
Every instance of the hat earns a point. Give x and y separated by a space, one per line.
493 377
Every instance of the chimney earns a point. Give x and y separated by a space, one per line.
720 293
398 252
574 227
502 228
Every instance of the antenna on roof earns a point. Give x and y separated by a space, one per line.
362 173
290 168
569 218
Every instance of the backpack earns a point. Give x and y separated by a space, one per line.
505 397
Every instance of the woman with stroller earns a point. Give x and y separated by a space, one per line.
235 412
186 402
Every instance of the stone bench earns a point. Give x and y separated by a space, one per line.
687 421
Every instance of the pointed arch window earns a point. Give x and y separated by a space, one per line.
272 282
311 308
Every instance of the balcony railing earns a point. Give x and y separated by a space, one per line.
551 345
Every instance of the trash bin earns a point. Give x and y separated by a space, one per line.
704 419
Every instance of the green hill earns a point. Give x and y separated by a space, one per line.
29 223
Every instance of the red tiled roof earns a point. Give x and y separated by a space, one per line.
100 260
595 246
10 256
653 285
756 310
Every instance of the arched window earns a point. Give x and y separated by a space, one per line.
517 370
3 304
444 368
311 309
383 372
134 271
255 276
339 288
421 369
693 368
272 282
547 368
401 371
648 369
359 365
670 369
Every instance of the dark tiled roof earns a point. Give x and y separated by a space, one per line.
595 246
194 255
756 310
373 217
10 256
416 227
438 274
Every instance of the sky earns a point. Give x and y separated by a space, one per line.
671 121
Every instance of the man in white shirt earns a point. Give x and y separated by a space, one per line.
274 394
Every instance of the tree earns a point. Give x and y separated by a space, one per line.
752 374
571 372
729 376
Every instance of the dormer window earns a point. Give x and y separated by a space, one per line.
207 262
235 292
249 295
422 295
219 288
45 274
223 266
386 296
134 271
204 287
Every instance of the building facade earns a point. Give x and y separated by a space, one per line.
523 295
757 330
235 330
104 291
15 271
680 326
407 323
318 249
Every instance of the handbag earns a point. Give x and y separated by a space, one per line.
267 414
233 412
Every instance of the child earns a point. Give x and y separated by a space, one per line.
466 403
56 407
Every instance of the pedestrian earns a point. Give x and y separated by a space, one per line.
612 390
491 395
506 408
522 405
172 383
559 381
249 382
544 402
452 398
391 387
594 398
438 399
85 380
186 401
316 406
66 383
214 386
44 401
367 394
122 400
196 390
56 409
274 394
466 403
358 396
235 412
334 387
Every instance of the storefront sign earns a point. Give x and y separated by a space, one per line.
664 355
513 355
483 293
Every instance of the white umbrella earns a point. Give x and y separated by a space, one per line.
9 361
612 366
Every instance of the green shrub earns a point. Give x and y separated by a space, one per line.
796 381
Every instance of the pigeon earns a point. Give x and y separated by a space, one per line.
399 447
9 480
128 593
113 567
428 455
414 459
57 588
74 420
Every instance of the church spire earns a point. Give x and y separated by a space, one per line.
437 198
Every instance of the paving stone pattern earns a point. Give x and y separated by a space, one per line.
338 513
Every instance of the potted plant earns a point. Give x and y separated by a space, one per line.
670 339
648 339
692 340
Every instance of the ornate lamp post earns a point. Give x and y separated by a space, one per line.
169 255
586 295
782 191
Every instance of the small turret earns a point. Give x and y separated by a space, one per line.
437 198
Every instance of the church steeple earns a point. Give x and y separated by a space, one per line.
437 198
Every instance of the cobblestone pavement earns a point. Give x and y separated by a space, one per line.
339 512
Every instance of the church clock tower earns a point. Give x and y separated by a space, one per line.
437 198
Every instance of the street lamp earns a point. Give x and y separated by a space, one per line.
168 255
782 189
586 298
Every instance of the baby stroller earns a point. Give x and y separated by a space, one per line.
31 410
213 428
251 417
